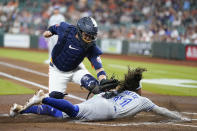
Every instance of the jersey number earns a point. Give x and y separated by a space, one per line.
124 101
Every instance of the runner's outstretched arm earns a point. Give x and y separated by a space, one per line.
170 114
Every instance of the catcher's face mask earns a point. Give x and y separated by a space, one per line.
87 29
88 38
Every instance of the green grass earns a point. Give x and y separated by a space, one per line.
119 67
9 88
37 57
155 71
169 90
195 84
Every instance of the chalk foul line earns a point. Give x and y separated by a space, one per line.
133 124
23 69
35 84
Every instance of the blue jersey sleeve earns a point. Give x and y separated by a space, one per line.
58 29
94 57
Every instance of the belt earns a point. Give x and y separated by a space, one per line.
51 62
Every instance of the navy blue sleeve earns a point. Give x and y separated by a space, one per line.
58 29
94 57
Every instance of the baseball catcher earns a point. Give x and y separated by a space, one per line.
75 42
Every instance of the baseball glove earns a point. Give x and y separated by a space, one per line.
105 85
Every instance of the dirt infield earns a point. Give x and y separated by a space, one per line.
143 121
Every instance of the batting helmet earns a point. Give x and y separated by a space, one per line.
87 29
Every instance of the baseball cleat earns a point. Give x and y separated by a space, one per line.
36 99
185 119
15 110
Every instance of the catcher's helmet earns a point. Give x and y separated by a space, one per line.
87 27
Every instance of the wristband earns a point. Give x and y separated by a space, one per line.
101 73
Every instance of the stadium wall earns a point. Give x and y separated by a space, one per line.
168 50
1 39
174 51
111 46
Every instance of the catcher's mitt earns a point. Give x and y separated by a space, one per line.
105 85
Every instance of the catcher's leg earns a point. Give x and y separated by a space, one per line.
88 81
43 110
82 77
58 82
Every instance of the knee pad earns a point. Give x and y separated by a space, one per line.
88 81
57 95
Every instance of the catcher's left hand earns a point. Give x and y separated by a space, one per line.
108 84
105 85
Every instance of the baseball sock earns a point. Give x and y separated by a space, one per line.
62 105
43 110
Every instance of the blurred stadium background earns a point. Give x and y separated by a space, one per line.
128 26
154 28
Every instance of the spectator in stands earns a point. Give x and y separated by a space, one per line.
172 16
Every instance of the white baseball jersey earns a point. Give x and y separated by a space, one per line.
127 103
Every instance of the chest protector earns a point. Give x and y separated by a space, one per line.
68 53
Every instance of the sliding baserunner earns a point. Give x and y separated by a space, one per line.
125 101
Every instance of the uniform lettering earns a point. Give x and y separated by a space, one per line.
126 101
135 96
